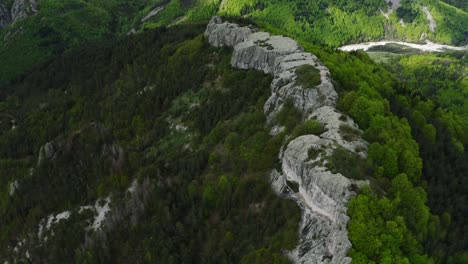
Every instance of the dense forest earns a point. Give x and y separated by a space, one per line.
336 22
61 25
199 137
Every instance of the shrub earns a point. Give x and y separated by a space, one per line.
308 76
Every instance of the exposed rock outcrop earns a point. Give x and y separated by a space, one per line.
321 194
221 34
5 16
46 152
284 85
260 51
21 9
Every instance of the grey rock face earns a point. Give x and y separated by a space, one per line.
21 9
284 87
5 17
223 34
322 195
260 51
334 121
46 152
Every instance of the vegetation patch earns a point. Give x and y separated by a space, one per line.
308 76
310 127
394 48
289 116
349 133
313 152
293 185
265 44
347 163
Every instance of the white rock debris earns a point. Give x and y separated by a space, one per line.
13 187
50 221
102 211
321 194
100 208
432 22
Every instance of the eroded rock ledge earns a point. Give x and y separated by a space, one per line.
321 194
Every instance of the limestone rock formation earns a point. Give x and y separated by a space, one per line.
321 194
260 51
221 34
21 9
47 152
5 17
284 86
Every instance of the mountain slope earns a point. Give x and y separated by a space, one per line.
54 26
33 31
341 22
191 146
154 149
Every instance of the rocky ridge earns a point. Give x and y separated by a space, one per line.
321 194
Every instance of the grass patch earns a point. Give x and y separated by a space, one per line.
394 48
289 116
313 153
307 128
293 185
265 44
308 76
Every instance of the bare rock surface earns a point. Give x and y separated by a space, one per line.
223 34
5 16
21 9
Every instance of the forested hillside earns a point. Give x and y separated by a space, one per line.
59 25
177 117
336 22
